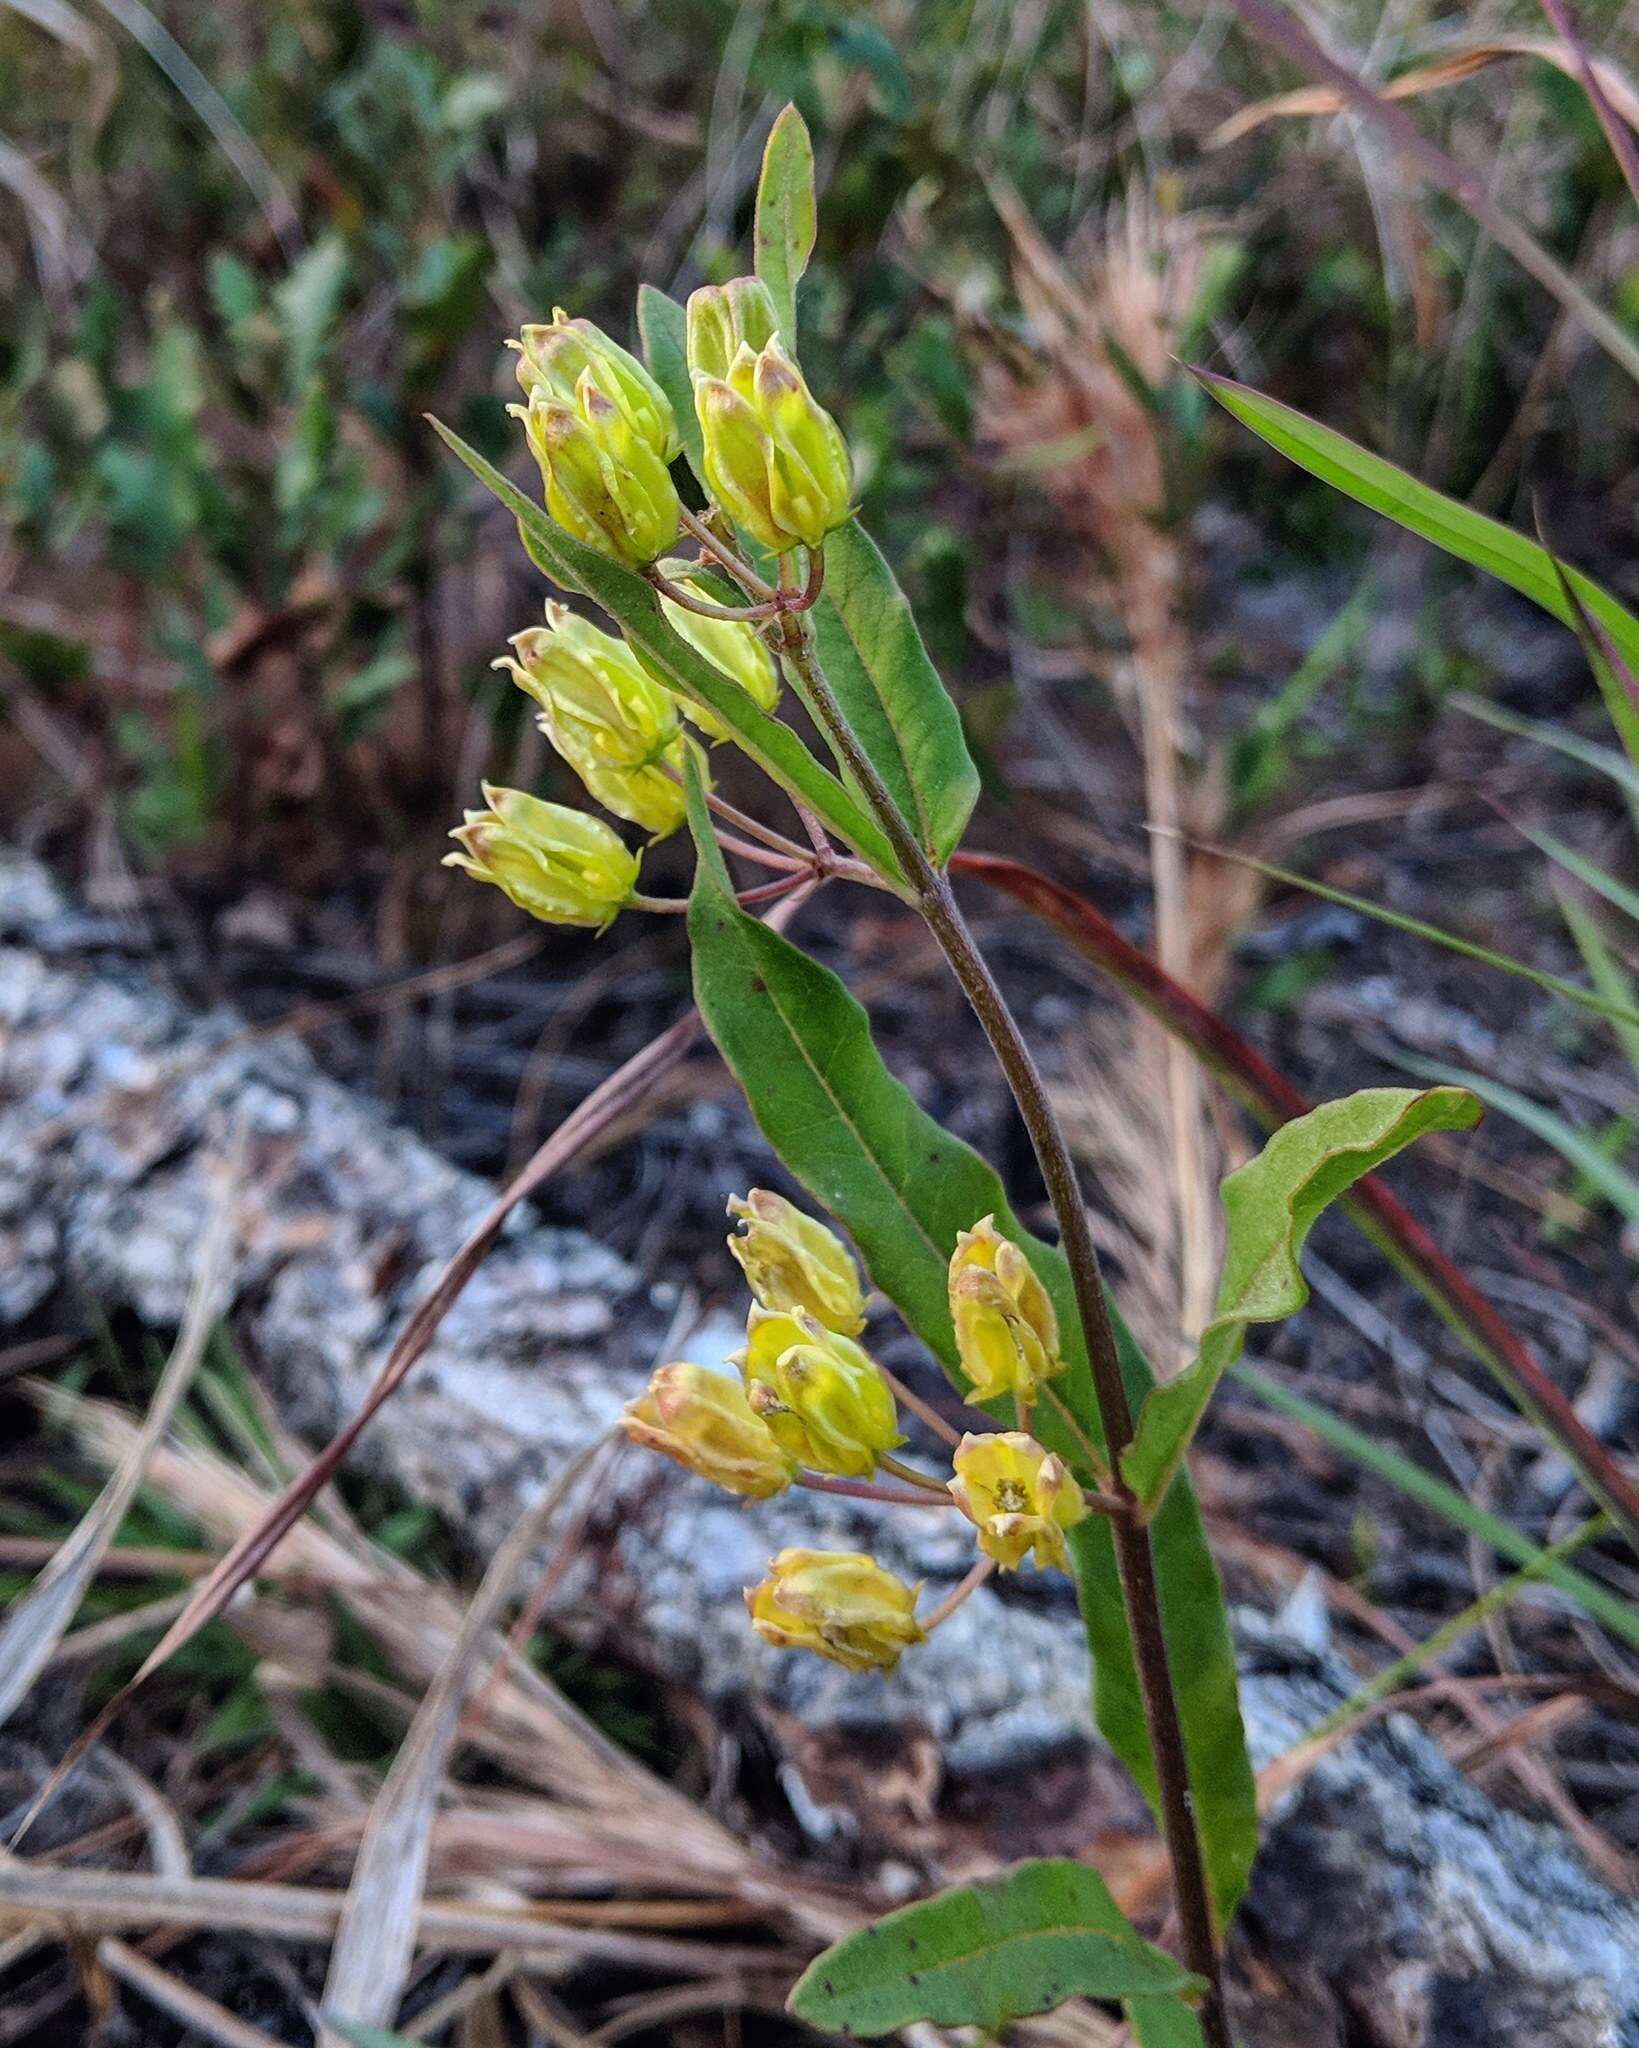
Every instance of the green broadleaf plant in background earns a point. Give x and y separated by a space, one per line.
784 569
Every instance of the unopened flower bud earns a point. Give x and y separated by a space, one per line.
703 1420
840 1604
1019 1497
737 650
1007 1334
553 358
606 715
823 1397
793 1261
774 458
724 318
606 485
560 865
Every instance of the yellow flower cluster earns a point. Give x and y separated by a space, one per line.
810 1400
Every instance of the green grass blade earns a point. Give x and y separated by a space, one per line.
1445 1500
1601 882
1606 972
1485 543
1618 1187
1584 998
1604 760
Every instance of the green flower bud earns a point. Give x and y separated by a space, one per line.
605 484
724 318
736 650
821 1394
560 865
606 715
553 359
774 458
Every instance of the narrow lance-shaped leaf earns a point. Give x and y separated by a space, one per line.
986 1954
1270 1206
874 658
903 1187
783 237
633 606
1469 535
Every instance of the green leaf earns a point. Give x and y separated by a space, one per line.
367 2037
1164 2023
1270 1206
1446 1500
1470 536
633 606
874 659
662 327
986 1954
903 1187
1607 973
783 238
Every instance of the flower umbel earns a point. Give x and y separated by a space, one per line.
703 1420
823 1397
560 865
792 1261
605 483
735 649
605 714
774 458
840 1604
553 358
1019 1497
1006 1331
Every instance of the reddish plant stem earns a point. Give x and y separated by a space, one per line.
1273 1100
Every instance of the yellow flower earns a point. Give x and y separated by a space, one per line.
822 1396
1007 1334
774 458
606 485
840 1604
703 1420
792 1261
1019 1497
735 649
606 715
560 865
553 358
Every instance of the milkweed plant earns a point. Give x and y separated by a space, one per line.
712 616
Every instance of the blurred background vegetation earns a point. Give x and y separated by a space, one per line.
245 249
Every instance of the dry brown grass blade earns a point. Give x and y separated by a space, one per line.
40 1617
1310 102
106 1901
199 2014
1282 30
375 1942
